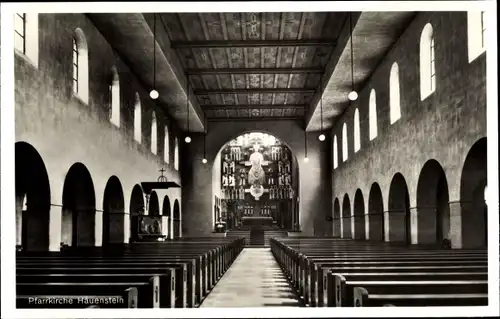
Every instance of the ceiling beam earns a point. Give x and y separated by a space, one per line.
209 107
250 43
255 118
253 91
253 71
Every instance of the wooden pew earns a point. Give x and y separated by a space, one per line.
363 299
148 292
216 256
129 297
165 292
307 261
465 284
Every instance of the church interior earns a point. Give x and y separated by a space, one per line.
251 159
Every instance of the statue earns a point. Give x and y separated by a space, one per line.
256 173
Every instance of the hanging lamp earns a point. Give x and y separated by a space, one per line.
322 136
154 94
187 139
353 95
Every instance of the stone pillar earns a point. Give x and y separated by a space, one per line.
98 228
426 224
367 226
55 229
164 226
337 229
414 226
126 227
346 224
117 226
358 226
397 226
353 227
376 226
456 225
387 226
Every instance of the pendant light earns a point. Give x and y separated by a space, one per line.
306 159
353 95
188 138
154 94
204 160
321 137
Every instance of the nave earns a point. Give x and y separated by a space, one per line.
306 159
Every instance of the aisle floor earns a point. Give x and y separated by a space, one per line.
253 280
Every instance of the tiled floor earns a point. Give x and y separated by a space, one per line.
253 280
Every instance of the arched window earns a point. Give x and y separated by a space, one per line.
394 94
357 133
114 96
372 114
80 66
137 119
154 134
166 146
476 31
345 151
26 35
176 154
427 67
335 152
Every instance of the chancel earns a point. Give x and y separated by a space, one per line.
306 159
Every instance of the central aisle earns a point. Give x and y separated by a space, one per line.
253 280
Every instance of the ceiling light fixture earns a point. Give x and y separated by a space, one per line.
204 160
353 95
154 94
188 138
306 159
322 136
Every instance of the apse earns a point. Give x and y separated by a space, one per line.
255 183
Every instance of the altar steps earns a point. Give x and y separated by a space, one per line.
257 242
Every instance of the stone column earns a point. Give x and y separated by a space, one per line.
414 225
347 223
426 224
55 229
126 227
397 226
367 226
98 228
337 229
376 226
387 226
456 224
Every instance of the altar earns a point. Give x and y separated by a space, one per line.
253 221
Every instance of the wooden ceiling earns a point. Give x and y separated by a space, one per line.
253 65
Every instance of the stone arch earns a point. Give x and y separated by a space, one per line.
399 210
433 212
286 215
32 189
154 204
472 205
78 211
176 220
137 207
113 212
359 215
337 219
346 217
376 213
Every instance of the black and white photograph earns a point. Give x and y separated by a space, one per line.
249 159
